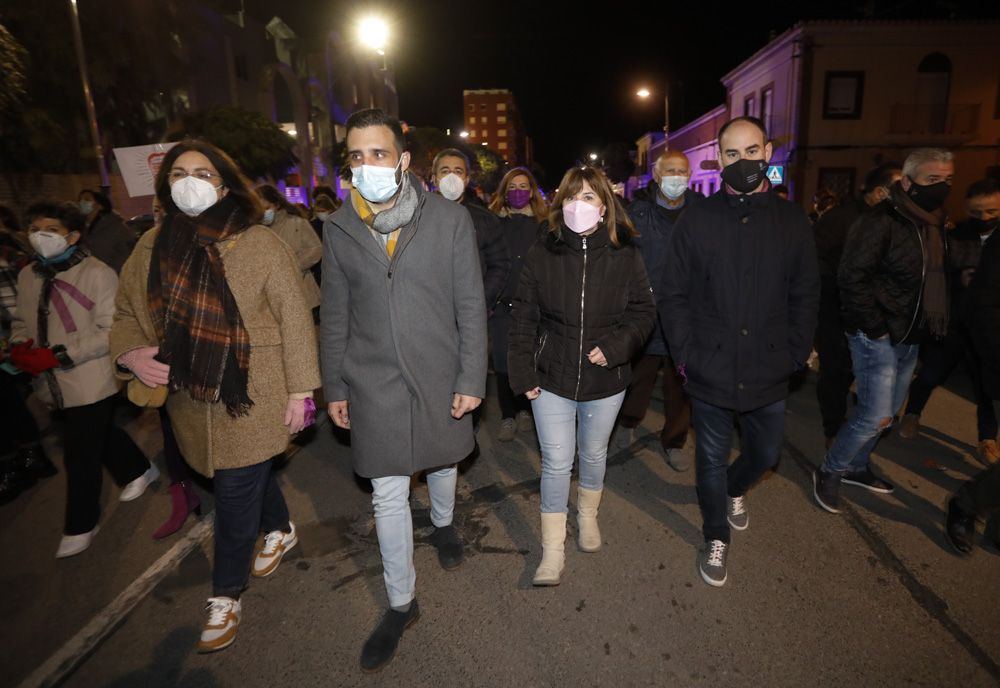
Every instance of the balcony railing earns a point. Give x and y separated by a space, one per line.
928 120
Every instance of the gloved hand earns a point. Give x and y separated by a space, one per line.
142 362
33 360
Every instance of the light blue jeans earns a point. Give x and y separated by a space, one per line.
882 373
394 526
564 427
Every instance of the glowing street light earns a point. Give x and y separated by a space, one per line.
645 93
593 156
374 33
464 134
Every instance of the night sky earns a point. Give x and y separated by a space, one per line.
574 72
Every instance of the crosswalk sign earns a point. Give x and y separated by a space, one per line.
776 174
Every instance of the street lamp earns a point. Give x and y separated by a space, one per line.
593 157
645 93
464 134
374 32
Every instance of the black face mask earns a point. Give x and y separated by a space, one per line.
930 197
984 227
744 175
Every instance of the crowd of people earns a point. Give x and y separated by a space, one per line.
235 308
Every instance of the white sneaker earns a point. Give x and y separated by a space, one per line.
135 488
219 630
71 545
276 544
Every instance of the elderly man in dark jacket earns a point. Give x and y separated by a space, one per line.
740 290
654 212
403 351
893 290
981 495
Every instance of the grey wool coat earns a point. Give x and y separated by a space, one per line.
399 337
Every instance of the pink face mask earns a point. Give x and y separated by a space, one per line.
580 216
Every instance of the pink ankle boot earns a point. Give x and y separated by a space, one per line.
184 501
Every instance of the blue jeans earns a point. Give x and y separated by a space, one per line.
394 526
883 374
247 501
560 436
762 433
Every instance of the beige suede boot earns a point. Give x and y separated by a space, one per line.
587 502
553 549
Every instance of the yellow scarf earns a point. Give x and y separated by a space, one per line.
367 215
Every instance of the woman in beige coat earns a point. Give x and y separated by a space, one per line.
284 220
65 302
211 306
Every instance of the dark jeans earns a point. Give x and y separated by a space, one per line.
676 405
939 359
835 373
510 403
762 433
172 458
92 438
981 495
247 501
19 427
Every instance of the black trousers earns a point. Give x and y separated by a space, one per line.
835 370
939 359
676 405
981 495
510 403
92 439
172 458
19 427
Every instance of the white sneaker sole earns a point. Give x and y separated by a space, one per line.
819 501
878 490
711 581
264 573
738 527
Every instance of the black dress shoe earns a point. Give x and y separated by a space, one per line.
960 528
34 460
381 644
449 546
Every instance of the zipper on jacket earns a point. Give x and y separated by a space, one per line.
583 294
923 276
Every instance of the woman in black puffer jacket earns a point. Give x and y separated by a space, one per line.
583 308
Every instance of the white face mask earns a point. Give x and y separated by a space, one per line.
451 186
48 244
376 184
580 216
268 216
194 196
322 217
673 187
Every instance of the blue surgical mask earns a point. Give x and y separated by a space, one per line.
376 184
268 216
673 187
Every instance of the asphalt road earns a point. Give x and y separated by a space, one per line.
872 597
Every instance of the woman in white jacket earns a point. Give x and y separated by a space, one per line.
65 304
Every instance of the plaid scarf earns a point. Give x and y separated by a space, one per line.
197 321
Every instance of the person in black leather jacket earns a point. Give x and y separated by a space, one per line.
893 291
583 308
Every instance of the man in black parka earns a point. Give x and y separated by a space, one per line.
740 296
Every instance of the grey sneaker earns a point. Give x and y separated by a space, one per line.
507 429
524 421
736 513
712 563
678 460
826 490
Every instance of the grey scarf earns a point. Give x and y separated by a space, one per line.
399 215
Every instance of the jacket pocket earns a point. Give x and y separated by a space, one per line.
268 335
539 350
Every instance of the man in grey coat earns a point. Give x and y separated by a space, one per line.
403 351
